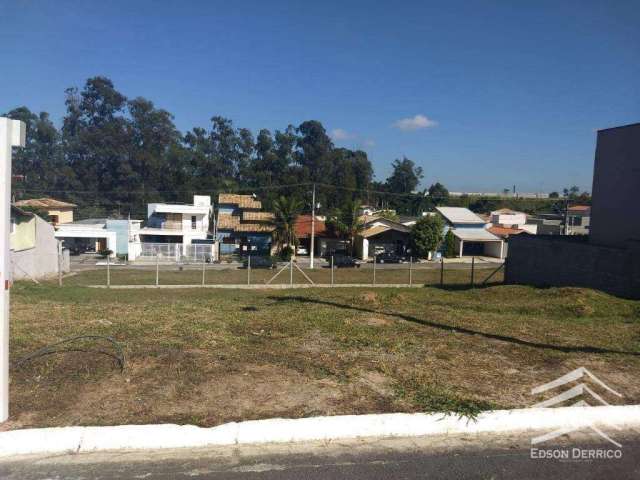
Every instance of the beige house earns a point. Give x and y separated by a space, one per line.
59 212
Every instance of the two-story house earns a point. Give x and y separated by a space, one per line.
241 225
171 229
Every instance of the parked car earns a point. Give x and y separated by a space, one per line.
389 257
343 261
302 251
259 262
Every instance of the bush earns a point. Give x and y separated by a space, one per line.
426 235
286 253
105 253
449 245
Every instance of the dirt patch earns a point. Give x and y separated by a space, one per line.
378 382
377 321
368 298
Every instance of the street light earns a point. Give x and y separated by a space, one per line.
12 134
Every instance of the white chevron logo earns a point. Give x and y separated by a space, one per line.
573 392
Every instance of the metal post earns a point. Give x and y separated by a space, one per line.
332 270
157 269
12 134
291 271
313 226
59 263
249 270
473 264
204 263
108 271
374 269
410 270
442 272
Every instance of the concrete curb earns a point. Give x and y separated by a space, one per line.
91 439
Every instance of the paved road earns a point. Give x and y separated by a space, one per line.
387 459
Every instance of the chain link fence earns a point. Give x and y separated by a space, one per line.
258 271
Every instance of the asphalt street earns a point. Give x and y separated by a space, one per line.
428 458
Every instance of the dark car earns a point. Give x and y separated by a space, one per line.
259 262
343 261
388 257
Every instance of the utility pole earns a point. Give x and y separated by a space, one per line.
313 225
12 134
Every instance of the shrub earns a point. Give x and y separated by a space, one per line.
449 245
105 253
286 253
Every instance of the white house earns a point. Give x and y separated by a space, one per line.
172 229
470 233
88 236
508 218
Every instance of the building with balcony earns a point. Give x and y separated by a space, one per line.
241 225
172 230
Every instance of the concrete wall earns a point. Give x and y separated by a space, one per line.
41 261
616 183
23 232
573 261
65 215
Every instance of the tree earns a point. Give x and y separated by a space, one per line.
405 177
438 194
426 235
346 222
449 244
285 213
571 192
554 195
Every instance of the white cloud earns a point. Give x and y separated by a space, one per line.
415 123
369 143
340 134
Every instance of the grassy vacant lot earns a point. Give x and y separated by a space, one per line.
210 356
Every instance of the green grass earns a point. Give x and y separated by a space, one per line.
209 356
175 275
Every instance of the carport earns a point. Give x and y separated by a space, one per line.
477 241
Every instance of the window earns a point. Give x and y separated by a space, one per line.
194 224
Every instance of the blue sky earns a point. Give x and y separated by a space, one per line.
482 95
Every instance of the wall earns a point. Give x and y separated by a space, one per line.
616 183
573 261
23 235
64 215
494 249
41 261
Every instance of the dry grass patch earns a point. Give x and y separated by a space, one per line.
207 357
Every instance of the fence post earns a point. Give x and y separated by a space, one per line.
442 272
204 263
108 271
59 263
157 269
291 271
332 270
473 264
249 270
374 269
410 270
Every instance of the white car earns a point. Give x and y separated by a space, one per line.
302 251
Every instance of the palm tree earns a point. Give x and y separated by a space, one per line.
347 223
285 213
